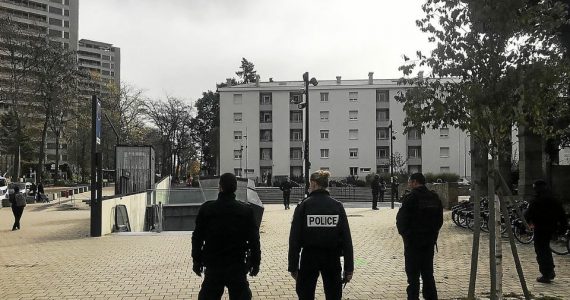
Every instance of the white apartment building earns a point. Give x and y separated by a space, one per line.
102 58
261 131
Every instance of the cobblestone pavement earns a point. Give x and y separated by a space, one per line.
52 257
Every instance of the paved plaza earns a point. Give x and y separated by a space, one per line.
53 257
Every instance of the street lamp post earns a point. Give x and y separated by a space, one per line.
305 105
392 181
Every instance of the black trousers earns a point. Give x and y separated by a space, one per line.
374 200
313 263
17 211
419 262
544 254
232 277
286 196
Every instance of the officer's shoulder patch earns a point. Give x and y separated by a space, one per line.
322 220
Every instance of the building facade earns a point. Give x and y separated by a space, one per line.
101 58
58 18
262 127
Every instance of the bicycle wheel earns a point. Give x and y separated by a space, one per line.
559 244
523 235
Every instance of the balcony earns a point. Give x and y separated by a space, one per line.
416 142
265 125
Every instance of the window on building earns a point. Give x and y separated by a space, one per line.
265 153
324 153
295 98
364 170
237 98
56 22
415 152
353 152
324 134
107 57
382 133
353 134
265 135
444 133
265 117
66 12
296 116
112 73
382 169
353 96
382 152
444 169
237 135
64 157
105 72
237 154
237 117
296 135
296 153
66 24
55 10
265 98
324 116
353 171
296 172
414 134
55 33
324 97
105 65
414 169
382 115
382 96
443 152
237 172
353 115
66 35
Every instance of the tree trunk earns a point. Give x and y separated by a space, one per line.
476 154
17 151
41 158
57 134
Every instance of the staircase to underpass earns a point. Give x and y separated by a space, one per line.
273 195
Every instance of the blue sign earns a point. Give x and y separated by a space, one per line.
98 123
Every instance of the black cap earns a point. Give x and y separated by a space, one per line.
419 177
228 182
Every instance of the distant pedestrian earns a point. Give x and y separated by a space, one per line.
319 236
40 196
382 190
286 187
394 188
269 182
375 187
418 221
18 202
225 243
546 216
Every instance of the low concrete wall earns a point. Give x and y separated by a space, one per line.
136 208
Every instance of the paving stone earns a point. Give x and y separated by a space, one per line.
53 257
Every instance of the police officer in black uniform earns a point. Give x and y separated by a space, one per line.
419 219
375 187
225 233
321 233
546 216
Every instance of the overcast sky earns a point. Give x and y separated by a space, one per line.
184 47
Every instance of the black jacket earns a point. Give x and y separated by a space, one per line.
320 223
286 187
420 217
225 231
546 214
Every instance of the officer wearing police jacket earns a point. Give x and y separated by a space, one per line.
418 221
321 233
225 233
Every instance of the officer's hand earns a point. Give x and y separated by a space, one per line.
347 277
253 271
531 226
294 275
198 268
